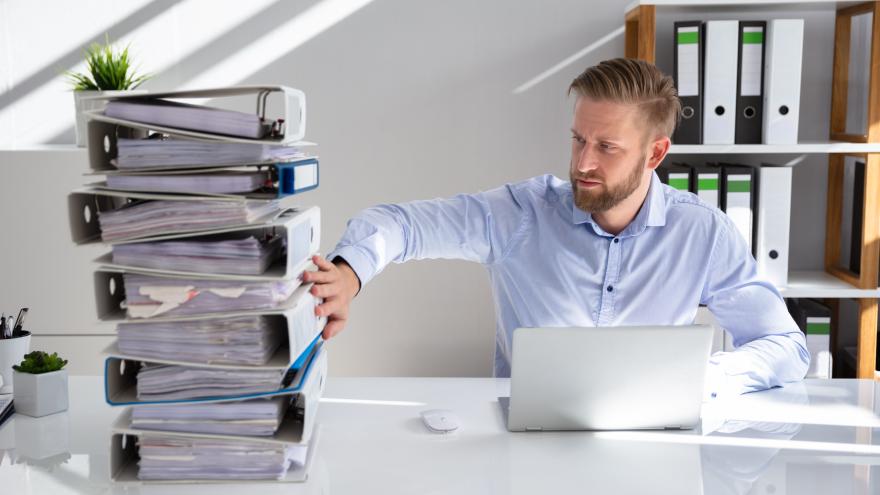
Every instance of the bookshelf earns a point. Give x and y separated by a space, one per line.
835 282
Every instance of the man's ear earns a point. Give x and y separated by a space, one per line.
657 152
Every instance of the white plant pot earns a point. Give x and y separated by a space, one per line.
12 351
40 394
82 103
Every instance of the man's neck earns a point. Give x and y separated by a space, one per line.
616 219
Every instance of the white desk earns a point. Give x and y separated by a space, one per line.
818 437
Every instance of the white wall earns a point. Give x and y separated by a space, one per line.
407 99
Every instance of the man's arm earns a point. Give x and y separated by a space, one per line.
770 348
478 227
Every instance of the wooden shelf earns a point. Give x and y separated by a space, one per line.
817 147
833 283
740 3
822 285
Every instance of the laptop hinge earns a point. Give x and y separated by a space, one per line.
534 428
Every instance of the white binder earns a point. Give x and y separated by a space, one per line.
782 80
738 189
774 218
719 90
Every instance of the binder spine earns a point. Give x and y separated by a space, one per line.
688 75
750 82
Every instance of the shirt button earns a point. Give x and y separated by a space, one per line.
610 288
616 240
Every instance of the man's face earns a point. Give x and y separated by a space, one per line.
608 154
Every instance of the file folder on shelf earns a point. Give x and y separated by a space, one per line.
293 118
814 319
307 371
678 176
774 223
857 172
688 72
708 184
738 199
300 231
750 82
782 80
720 81
86 204
297 324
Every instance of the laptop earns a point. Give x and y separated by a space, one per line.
607 378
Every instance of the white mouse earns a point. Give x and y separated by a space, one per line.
440 420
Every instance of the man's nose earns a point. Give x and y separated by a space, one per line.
586 160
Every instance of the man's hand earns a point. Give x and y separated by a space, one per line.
337 284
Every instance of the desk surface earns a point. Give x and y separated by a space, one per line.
815 437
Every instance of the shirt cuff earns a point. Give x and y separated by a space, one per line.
359 263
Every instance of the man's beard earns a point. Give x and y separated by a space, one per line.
593 201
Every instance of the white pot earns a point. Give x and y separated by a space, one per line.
40 394
12 351
82 103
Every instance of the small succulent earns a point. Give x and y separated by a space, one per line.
108 70
37 362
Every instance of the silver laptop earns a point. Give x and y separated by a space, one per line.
607 378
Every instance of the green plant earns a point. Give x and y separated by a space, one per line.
108 70
37 362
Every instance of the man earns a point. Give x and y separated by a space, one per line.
612 246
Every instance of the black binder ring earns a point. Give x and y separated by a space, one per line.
749 112
687 112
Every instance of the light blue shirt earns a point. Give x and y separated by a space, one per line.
551 264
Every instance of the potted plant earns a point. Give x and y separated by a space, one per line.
40 384
108 72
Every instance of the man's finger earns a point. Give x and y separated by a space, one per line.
323 264
319 277
326 290
332 328
329 307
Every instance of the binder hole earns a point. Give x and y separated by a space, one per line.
122 367
783 110
124 440
106 144
773 254
719 110
311 235
87 214
687 112
112 286
749 112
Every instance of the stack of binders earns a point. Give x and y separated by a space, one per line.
218 360
739 81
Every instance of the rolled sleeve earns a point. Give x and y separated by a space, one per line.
770 348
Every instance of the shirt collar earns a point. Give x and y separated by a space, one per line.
651 214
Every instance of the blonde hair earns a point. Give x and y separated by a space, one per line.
631 81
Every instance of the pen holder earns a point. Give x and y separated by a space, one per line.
12 351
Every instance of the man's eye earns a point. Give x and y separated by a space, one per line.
606 146
579 140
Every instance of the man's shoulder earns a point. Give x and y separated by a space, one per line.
545 188
688 207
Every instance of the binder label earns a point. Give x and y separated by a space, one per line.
687 41
752 45
818 325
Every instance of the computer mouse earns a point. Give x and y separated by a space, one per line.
440 420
